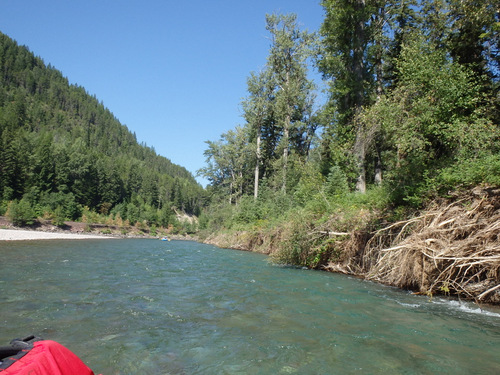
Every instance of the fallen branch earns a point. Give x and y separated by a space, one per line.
330 233
444 247
488 291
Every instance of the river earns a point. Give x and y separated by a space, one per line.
178 307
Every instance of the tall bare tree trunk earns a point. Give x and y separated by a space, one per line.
360 153
378 165
358 69
286 141
380 22
286 134
257 164
240 192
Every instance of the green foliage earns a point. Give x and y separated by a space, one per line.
60 142
21 213
280 125
217 217
3 207
248 211
165 217
228 163
435 117
295 248
305 242
411 113
153 231
309 186
471 172
473 38
62 205
59 217
346 35
133 213
336 182
433 130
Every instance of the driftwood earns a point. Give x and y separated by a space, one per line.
452 249
329 233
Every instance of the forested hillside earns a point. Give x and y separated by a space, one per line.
63 154
411 118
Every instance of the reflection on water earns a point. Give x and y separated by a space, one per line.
156 307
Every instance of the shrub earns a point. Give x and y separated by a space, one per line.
64 203
21 213
3 207
485 169
337 182
58 217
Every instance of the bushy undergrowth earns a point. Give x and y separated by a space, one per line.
57 209
295 228
21 213
316 234
363 234
471 172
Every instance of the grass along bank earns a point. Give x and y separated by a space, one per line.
450 247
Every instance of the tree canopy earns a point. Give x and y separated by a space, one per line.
412 105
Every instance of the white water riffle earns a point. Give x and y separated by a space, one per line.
158 307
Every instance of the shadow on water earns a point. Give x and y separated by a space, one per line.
153 307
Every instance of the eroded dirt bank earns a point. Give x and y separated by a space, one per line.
452 247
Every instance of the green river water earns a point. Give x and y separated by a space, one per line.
157 307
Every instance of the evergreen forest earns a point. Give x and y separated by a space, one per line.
64 156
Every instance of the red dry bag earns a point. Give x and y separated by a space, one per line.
32 356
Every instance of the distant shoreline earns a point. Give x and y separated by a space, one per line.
31 235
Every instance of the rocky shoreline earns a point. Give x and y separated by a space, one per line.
30 235
44 230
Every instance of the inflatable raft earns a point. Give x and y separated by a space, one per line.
34 356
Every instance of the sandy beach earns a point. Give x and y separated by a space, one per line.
19 235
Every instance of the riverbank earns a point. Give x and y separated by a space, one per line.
77 230
451 247
32 235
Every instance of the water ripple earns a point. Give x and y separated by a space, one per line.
145 306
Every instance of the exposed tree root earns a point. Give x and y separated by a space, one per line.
452 249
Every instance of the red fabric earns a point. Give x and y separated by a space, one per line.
48 358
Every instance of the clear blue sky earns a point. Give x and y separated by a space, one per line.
173 72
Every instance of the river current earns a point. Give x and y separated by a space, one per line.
178 307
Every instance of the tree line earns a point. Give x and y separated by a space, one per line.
412 107
62 153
